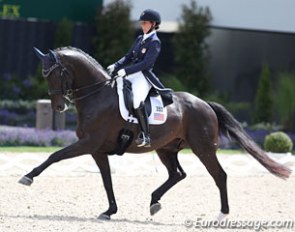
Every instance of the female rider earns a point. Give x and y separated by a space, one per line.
137 66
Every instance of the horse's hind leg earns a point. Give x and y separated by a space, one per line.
208 158
175 172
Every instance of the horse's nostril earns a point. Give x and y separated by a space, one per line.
59 108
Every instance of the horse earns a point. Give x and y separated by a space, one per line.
192 123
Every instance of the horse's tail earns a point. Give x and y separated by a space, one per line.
228 125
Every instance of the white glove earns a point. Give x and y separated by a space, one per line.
121 73
111 68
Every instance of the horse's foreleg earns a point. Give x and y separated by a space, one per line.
175 172
74 150
102 162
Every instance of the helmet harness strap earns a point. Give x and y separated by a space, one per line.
154 25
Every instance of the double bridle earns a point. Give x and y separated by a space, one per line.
71 95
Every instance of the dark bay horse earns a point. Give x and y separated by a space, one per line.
191 123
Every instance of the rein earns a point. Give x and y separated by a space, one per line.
71 92
71 95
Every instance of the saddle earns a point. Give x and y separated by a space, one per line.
154 105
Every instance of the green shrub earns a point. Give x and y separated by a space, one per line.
64 33
171 81
263 99
233 107
111 43
278 142
36 86
285 99
11 87
191 49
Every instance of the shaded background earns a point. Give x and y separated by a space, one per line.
245 35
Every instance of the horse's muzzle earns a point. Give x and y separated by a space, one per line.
59 104
61 108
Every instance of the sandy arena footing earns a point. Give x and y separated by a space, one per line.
71 199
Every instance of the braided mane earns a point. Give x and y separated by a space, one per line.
89 58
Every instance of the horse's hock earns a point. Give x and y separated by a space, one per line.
46 118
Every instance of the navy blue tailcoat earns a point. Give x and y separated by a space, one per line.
142 57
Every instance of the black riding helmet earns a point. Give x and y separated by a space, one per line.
151 15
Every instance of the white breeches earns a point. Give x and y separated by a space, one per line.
140 88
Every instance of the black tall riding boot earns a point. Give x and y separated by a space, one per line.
143 139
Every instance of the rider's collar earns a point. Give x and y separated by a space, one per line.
145 36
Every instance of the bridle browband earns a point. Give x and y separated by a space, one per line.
71 95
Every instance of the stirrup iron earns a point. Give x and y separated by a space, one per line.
143 140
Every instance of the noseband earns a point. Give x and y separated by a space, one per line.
66 91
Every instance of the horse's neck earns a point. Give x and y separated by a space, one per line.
88 77
96 106
84 71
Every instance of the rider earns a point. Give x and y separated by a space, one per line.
140 60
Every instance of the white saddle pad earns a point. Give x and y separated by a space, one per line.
158 114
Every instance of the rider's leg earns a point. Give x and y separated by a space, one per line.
144 137
140 88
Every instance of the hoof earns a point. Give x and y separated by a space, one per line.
25 181
104 217
221 216
155 208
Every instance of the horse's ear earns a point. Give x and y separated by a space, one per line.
52 55
39 54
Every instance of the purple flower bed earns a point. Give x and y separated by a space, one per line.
18 136
11 118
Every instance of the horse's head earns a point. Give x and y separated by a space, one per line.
55 73
67 70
